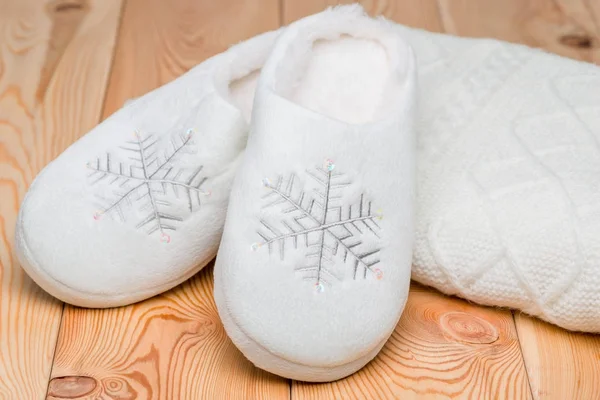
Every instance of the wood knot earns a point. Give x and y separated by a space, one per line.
468 328
581 41
114 385
118 388
71 387
204 327
66 6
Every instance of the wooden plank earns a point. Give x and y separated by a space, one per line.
418 13
566 27
172 346
560 364
169 347
52 55
160 40
443 347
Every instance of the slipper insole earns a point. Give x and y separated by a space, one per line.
345 79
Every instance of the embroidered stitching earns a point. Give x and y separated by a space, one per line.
144 183
328 229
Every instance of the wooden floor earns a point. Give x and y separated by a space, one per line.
67 64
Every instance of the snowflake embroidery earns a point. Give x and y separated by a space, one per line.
149 185
328 229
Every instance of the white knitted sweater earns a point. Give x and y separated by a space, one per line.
509 177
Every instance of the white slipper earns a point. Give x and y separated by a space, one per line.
314 265
137 205
509 177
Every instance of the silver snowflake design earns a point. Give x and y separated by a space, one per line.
143 183
324 226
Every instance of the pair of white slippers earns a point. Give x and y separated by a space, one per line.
315 234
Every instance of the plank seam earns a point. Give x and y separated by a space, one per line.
440 16
62 311
114 58
522 355
281 14
58 332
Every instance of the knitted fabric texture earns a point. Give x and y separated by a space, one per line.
508 210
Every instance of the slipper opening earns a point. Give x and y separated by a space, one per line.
236 78
342 64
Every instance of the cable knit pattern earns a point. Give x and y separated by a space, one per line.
509 177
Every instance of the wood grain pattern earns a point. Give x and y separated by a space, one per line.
169 347
52 54
172 346
443 347
418 13
566 27
55 53
560 364
160 40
